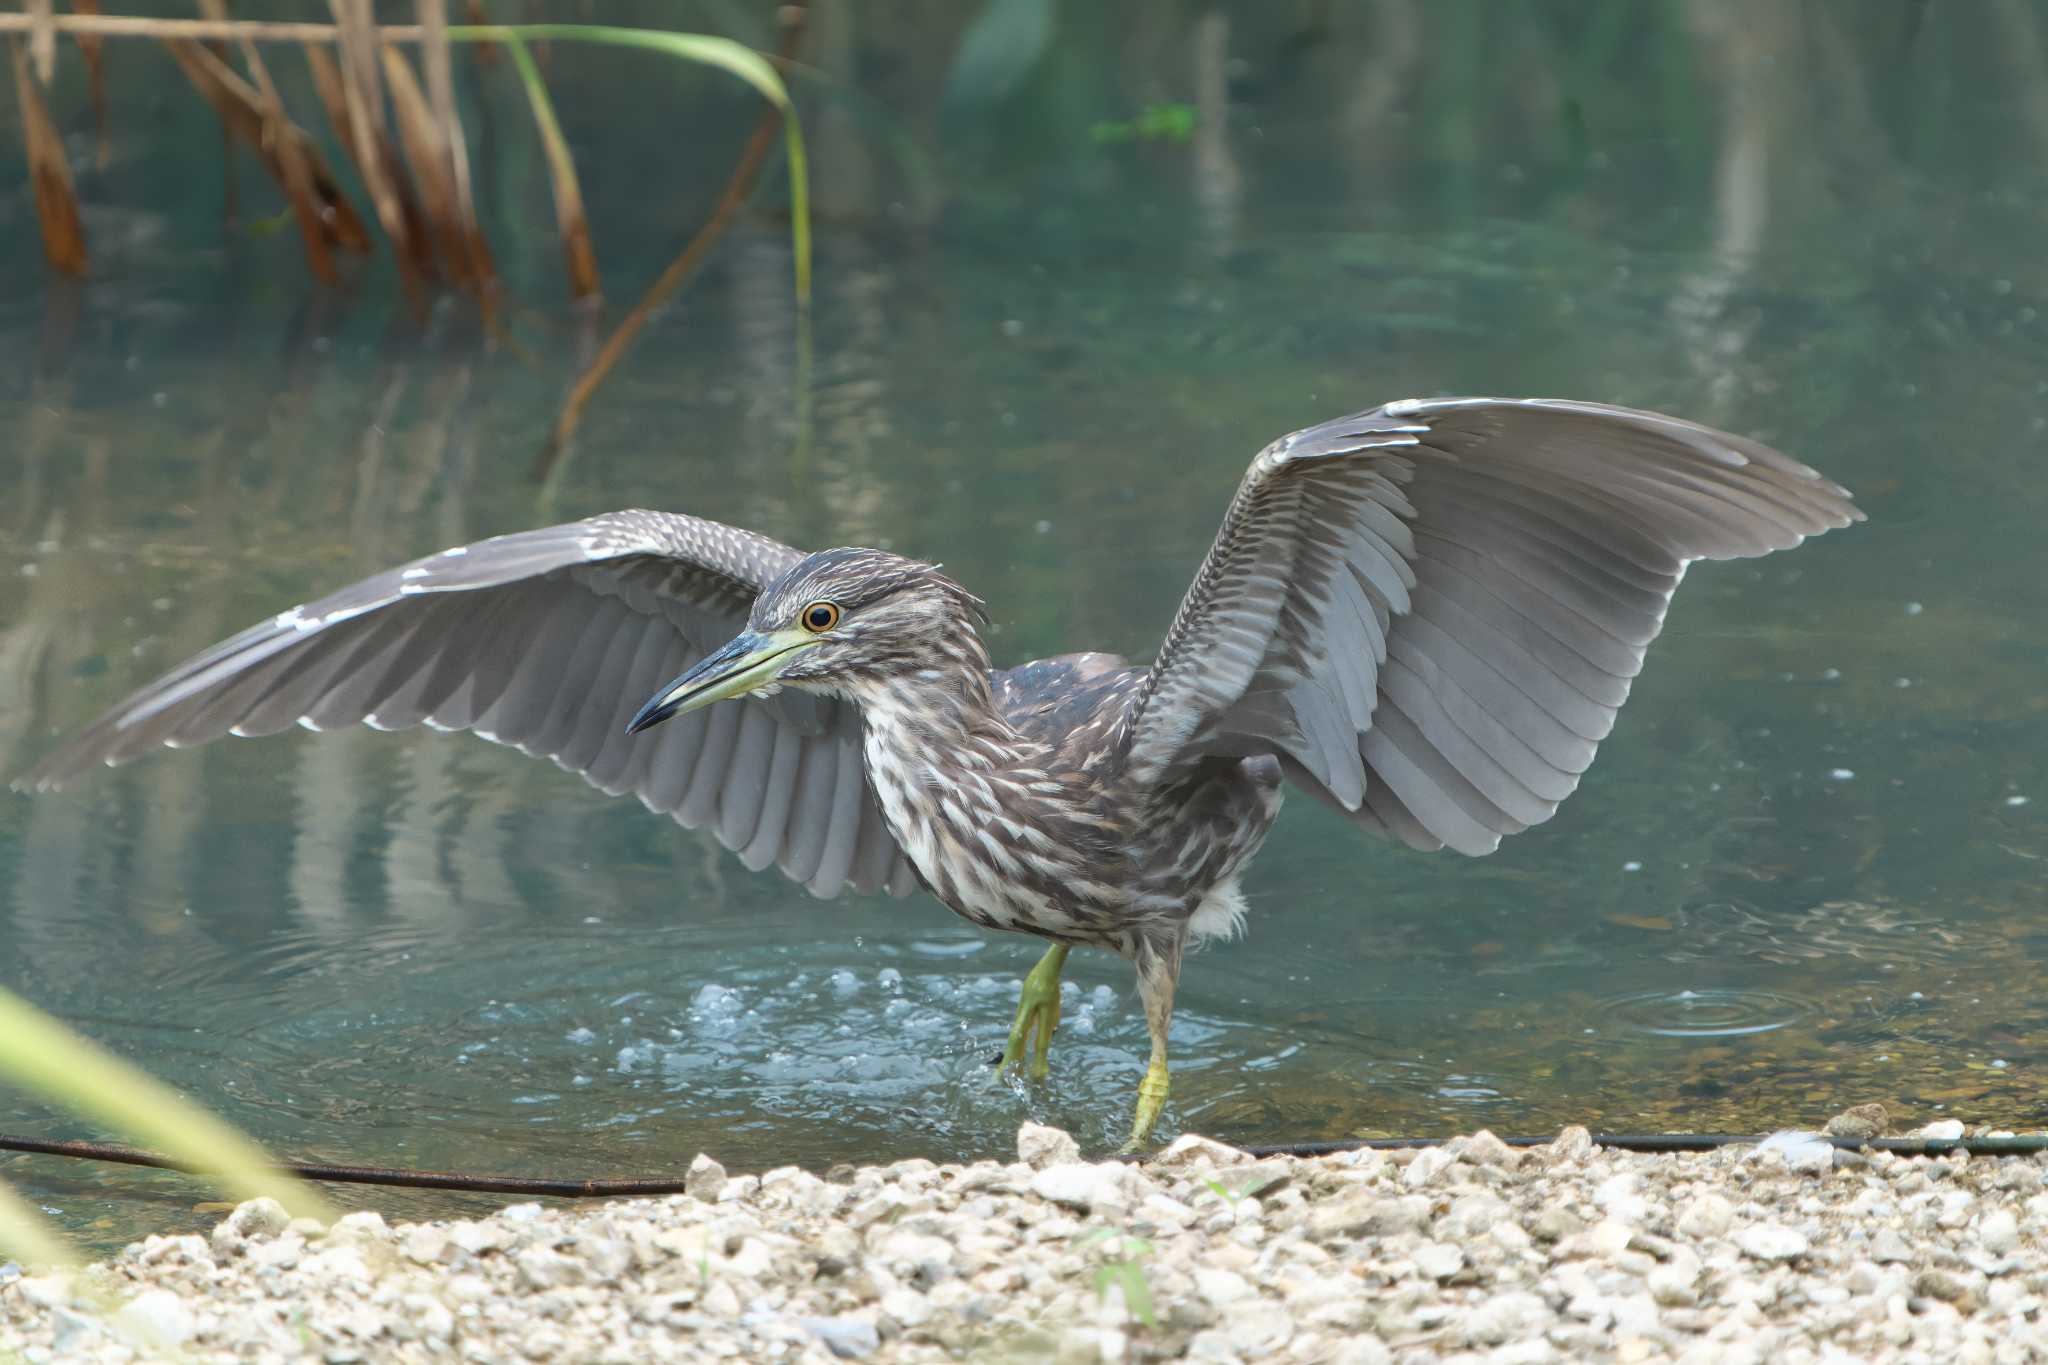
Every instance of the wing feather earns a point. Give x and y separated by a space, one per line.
547 641
1432 612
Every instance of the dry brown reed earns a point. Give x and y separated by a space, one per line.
56 201
418 182
92 48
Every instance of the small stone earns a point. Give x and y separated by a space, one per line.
336 1265
1191 1148
425 1243
477 1239
1081 1186
467 1289
1887 1247
1800 1151
1506 1317
1484 1149
157 1317
1429 1163
1258 1330
1164 1212
1609 1238
1771 1242
364 1225
705 1179
1555 1224
1571 1144
1088 1346
427 1316
1859 1121
281 1253
1438 1260
1220 1288
542 1268
1039 1146
607 1259
1944 1129
1998 1231
1948 1286
70 1331
1359 1349
846 1338
1673 1286
1471 1215
721 1300
256 1220
907 1306
45 1291
1367 1213
1706 1217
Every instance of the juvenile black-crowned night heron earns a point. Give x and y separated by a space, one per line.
1426 615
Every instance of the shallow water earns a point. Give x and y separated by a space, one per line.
1808 869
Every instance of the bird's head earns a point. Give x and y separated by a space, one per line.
842 622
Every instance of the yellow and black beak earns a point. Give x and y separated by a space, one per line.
753 660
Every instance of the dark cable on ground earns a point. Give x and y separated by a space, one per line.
622 1187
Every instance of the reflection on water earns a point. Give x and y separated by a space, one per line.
1807 871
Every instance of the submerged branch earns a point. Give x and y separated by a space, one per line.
729 203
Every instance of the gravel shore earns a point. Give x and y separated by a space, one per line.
1472 1251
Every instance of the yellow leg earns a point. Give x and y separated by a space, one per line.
1038 1012
1158 965
1151 1099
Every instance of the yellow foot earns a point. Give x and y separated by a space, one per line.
1151 1099
1038 1013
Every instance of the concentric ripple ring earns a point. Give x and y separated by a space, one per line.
1716 1012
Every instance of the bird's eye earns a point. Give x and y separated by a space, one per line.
820 617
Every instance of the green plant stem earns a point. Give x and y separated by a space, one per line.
41 1055
741 61
569 214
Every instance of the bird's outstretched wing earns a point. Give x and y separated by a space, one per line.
548 640
1433 610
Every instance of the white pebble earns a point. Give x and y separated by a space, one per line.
158 1317
1771 1242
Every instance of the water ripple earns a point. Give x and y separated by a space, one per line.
1712 1013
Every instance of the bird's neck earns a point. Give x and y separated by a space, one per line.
937 712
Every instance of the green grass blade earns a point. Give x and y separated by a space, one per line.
44 1057
570 218
26 1236
706 50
